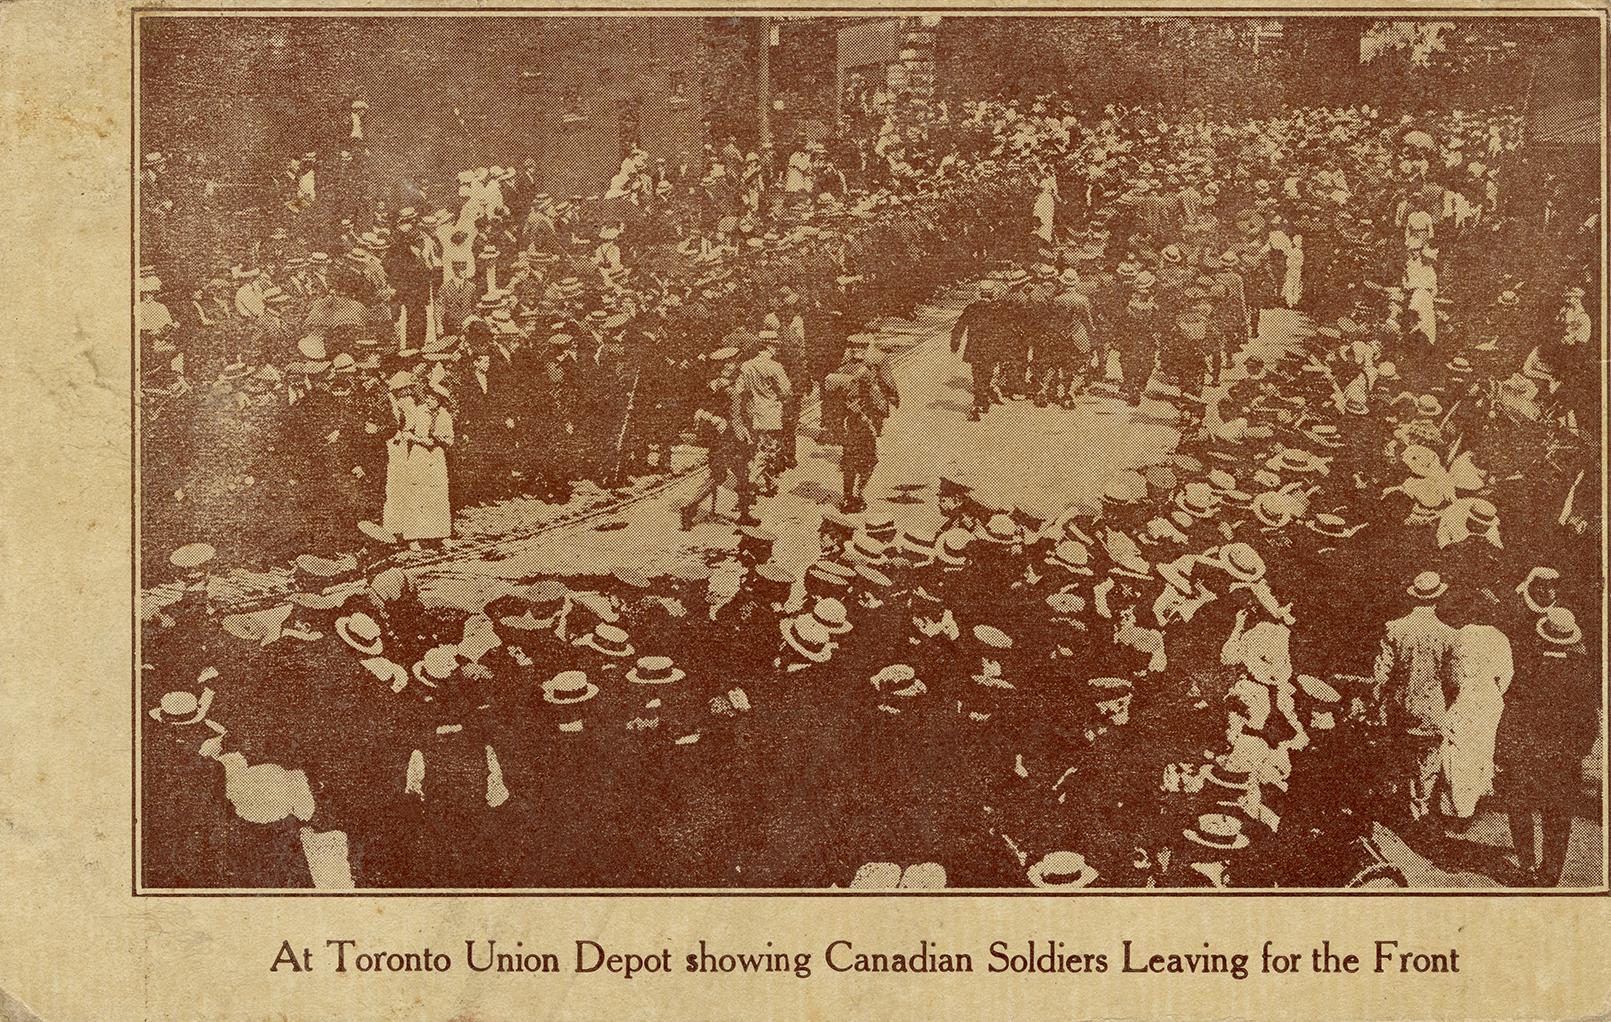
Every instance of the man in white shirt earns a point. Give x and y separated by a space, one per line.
1414 675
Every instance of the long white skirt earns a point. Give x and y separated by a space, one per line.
427 513
397 485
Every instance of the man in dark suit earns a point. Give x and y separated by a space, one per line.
982 334
410 278
488 438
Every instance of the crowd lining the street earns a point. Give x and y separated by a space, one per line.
1362 589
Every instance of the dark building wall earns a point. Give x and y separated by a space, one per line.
247 93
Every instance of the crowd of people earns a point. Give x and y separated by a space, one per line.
281 380
1359 592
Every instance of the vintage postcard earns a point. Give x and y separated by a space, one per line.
933 460
842 452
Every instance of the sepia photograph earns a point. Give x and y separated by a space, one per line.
868 453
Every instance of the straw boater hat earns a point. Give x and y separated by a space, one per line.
1199 500
1235 779
376 532
869 578
881 528
867 548
897 684
438 664
806 636
1333 526
919 546
771 582
569 687
1071 555
1323 717
192 555
1061 869
953 544
1480 515
1558 626
828 578
360 632
756 542
991 640
608 640
182 708
1240 561
1000 529
837 523
1276 509
1292 459
1124 487
1427 587
1219 831
1065 604
831 615
655 670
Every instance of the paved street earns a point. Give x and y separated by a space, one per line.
1047 459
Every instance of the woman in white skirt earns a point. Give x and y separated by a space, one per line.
1292 284
427 514
401 398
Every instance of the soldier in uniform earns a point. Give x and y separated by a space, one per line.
713 423
1140 327
861 409
1230 321
1066 344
